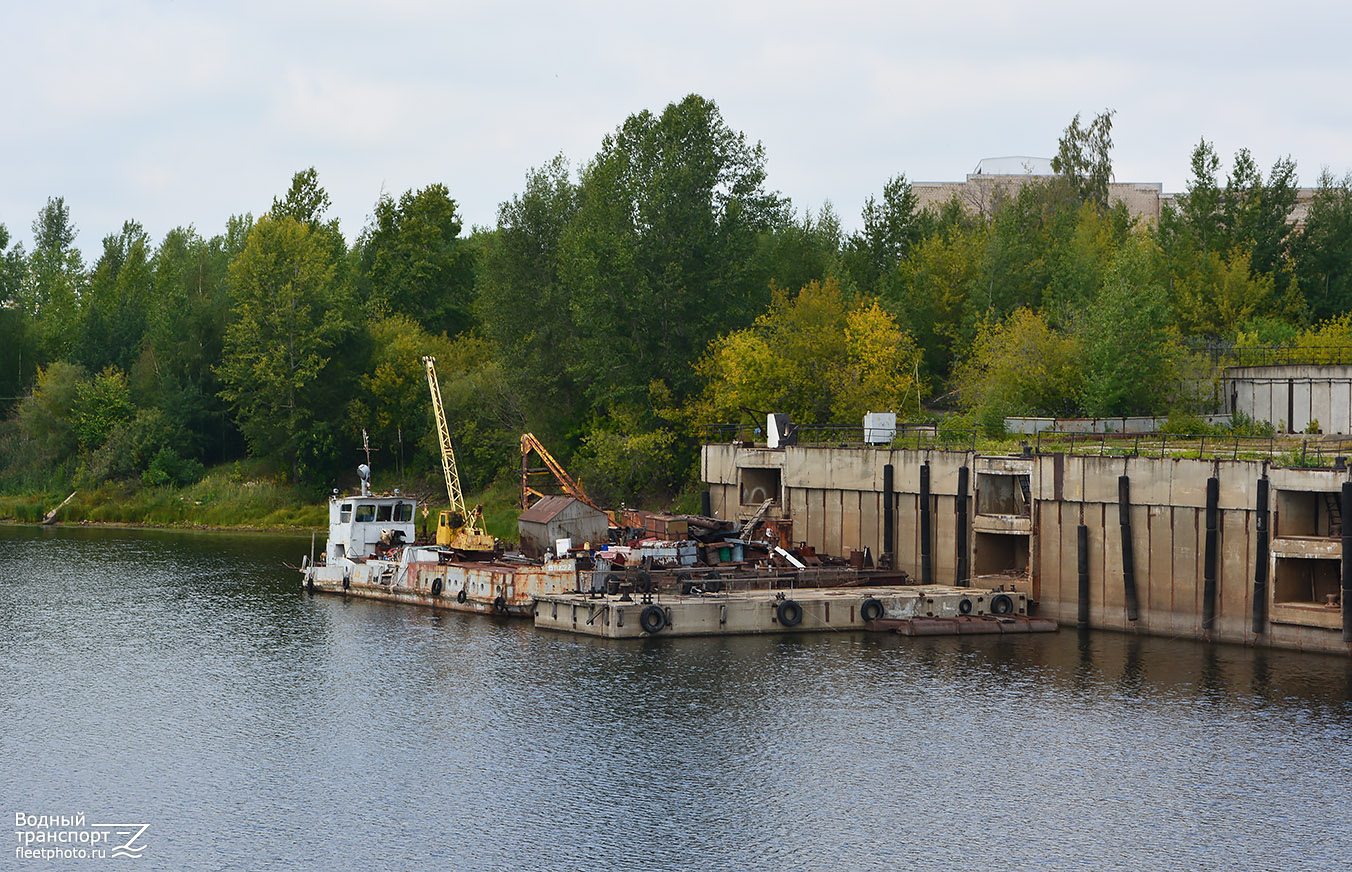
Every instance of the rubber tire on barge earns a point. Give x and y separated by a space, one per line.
789 613
652 619
871 610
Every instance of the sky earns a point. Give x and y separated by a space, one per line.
185 113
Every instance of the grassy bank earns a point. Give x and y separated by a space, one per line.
227 498
221 499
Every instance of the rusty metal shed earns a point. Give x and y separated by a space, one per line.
560 517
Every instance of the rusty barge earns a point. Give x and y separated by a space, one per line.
372 552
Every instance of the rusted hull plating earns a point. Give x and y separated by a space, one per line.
493 588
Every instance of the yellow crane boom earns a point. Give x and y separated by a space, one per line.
458 528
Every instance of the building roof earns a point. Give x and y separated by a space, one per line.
1015 165
549 508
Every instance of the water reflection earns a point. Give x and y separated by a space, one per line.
184 678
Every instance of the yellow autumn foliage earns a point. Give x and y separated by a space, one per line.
817 355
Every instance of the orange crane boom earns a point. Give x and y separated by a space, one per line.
570 486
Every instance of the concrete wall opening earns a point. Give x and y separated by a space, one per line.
756 485
1000 554
1002 494
1308 513
1306 582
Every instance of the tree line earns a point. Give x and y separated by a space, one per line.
620 308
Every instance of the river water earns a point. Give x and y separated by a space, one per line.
183 681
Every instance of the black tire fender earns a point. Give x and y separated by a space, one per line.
643 582
436 587
789 613
652 619
871 609
500 604
347 581
965 606
1002 604
461 595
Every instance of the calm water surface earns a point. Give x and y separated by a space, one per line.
184 681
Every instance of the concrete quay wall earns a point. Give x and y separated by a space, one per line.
1017 525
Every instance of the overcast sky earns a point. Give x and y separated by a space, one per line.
176 113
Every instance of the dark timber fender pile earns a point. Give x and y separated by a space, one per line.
963 575
926 545
1347 563
1128 556
1082 559
1213 488
1260 570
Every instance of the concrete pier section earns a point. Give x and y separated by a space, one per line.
1231 550
939 609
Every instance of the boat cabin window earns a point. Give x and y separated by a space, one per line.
403 513
366 512
346 510
383 513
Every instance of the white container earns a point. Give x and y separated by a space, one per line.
880 428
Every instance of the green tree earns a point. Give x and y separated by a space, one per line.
289 318
658 254
815 355
799 250
1323 250
891 227
931 293
57 278
1196 221
47 418
1019 366
392 402
1257 212
415 263
101 404
1219 295
1129 355
1250 214
524 303
114 307
306 201
1080 248
1083 158
17 349
185 339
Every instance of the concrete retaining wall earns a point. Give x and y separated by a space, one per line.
1291 397
834 499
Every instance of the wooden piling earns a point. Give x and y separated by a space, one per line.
1260 570
1209 561
1082 559
1128 557
961 536
926 545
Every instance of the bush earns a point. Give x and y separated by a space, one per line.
1186 424
1242 425
167 467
